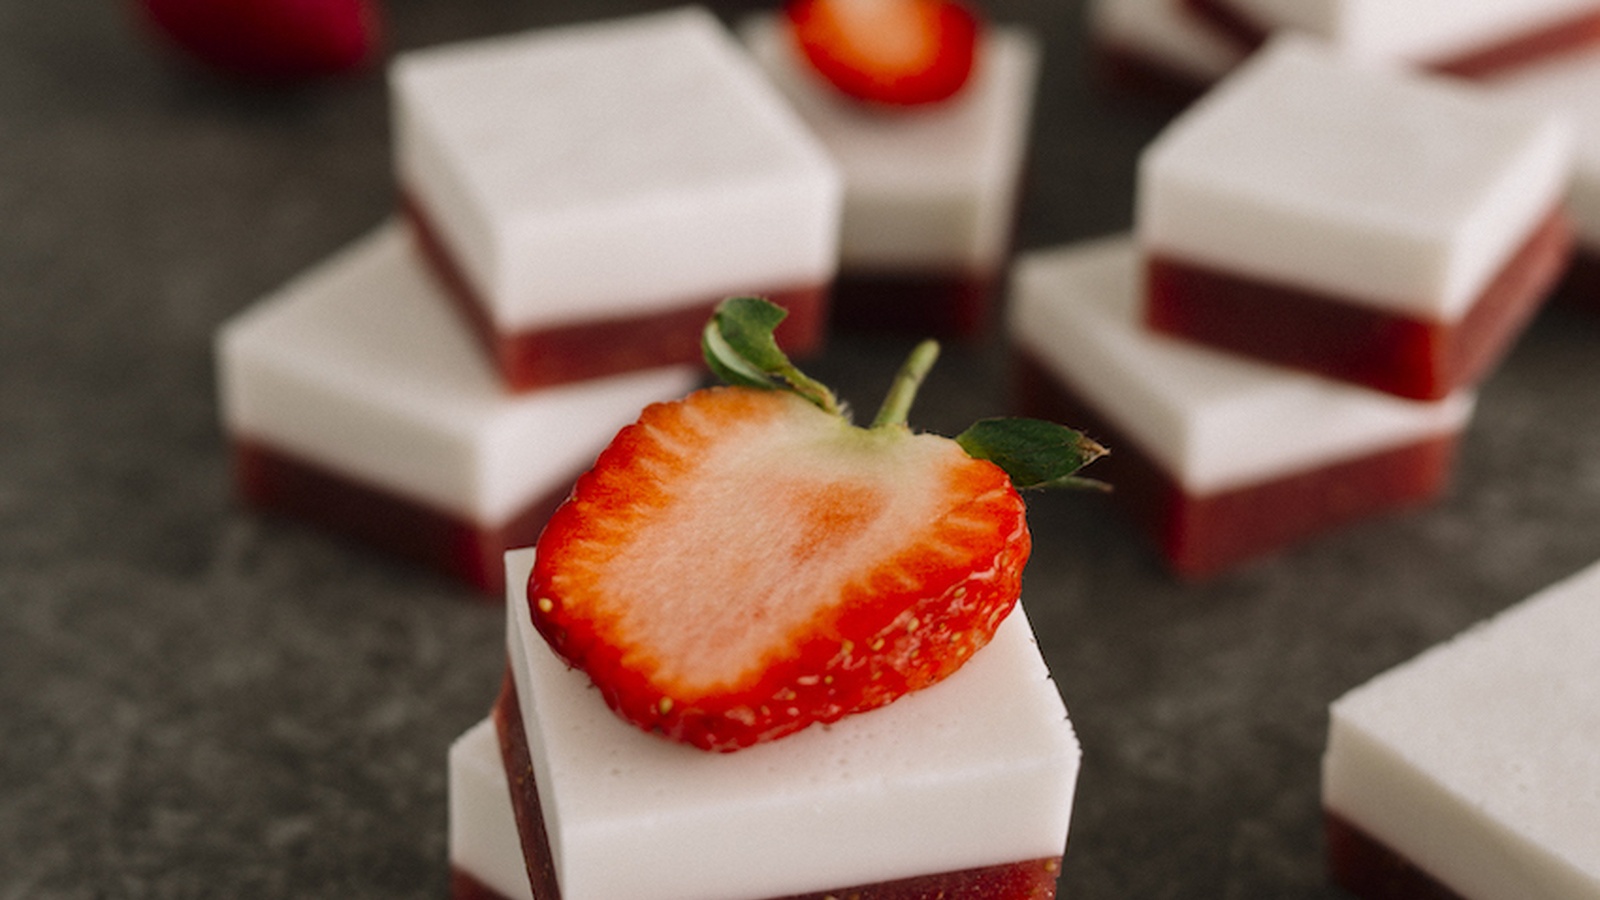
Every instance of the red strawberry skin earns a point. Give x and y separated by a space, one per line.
271 40
901 53
739 565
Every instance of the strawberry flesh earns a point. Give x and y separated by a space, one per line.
893 52
741 564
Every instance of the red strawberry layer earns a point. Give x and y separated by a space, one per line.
279 482
1351 341
741 564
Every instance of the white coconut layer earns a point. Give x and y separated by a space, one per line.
1477 760
977 770
361 365
610 168
1212 421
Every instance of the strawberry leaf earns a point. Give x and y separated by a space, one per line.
739 347
1035 453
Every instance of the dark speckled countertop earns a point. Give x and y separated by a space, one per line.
196 702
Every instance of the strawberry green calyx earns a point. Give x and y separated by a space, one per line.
1034 452
739 347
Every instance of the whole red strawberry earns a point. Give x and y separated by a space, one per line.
745 562
271 40
894 52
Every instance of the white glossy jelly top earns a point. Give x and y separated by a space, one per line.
362 366
1166 32
483 828
979 769
1400 191
616 166
925 187
1569 84
1479 760
1213 421
1419 31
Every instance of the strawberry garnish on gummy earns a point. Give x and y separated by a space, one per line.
271 40
894 52
745 562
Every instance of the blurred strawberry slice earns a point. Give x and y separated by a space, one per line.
271 40
896 52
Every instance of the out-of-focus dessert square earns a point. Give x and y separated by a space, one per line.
1221 459
355 400
589 192
1381 227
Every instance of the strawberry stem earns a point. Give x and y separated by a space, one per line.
896 407
740 348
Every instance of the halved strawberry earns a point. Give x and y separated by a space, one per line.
271 40
745 562
898 52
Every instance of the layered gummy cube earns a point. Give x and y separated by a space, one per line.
355 400
1383 228
1220 458
964 788
1471 771
587 193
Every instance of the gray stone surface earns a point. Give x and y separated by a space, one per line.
196 702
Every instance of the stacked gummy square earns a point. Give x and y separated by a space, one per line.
961 789
1328 258
574 202
1544 54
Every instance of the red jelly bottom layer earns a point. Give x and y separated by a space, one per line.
1362 865
281 483
1028 880
954 305
1565 36
1409 357
1203 535
595 348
